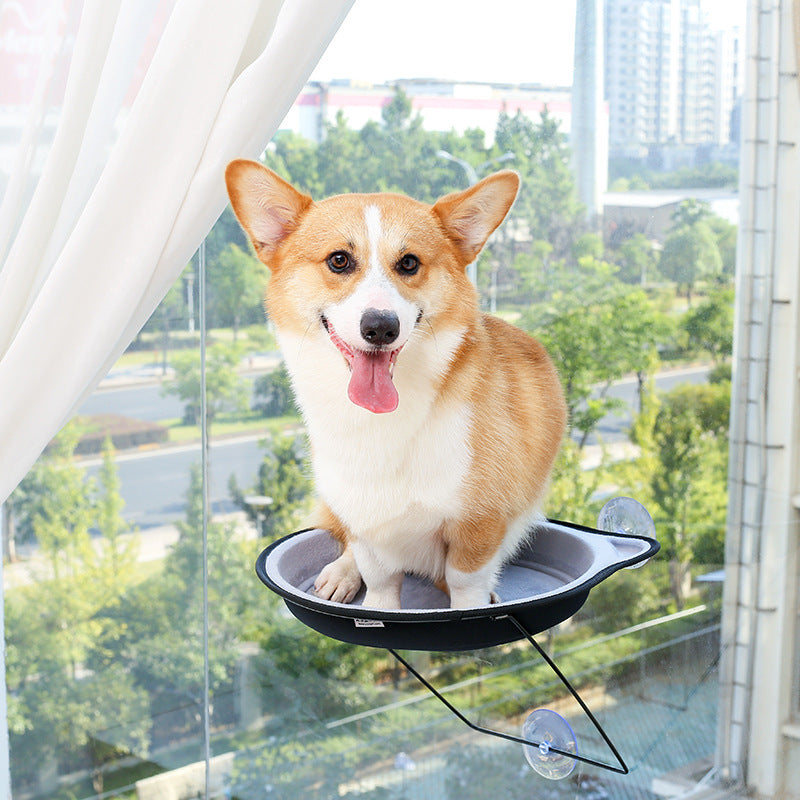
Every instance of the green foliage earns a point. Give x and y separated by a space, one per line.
283 476
64 692
726 234
596 330
398 154
237 282
709 326
624 600
690 251
531 270
688 468
260 338
547 202
311 677
54 503
636 259
626 174
287 769
170 667
476 773
395 155
226 390
272 394
572 488
588 245
89 650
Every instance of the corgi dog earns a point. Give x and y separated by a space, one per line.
433 427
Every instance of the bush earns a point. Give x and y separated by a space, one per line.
125 433
273 394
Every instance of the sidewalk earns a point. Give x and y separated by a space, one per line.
154 545
119 377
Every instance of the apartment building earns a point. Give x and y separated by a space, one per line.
670 79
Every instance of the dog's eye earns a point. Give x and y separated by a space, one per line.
408 264
338 261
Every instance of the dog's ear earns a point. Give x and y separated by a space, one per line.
267 207
470 217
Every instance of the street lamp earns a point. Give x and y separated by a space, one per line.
259 503
472 177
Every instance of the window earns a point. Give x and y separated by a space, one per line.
134 671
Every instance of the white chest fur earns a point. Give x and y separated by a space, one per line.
392 478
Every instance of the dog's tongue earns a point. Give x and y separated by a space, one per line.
371 385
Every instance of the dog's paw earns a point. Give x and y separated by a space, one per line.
473 598
388 598
339 581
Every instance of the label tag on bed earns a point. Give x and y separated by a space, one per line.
368 623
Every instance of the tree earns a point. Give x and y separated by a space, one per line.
533 268
66 696
726 234
573 488
709 326
588 244
292 155
548 202
690 250
690 212
236 282
116 553
343 163
596 330
689 478
636 258
162 638
226 390
283 475
172 314
273 393
62 515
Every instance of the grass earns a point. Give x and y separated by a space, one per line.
116 779
250 424
139 358
150 350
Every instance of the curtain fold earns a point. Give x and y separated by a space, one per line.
25 269
104 238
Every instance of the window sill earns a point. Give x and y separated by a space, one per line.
791 730
688 782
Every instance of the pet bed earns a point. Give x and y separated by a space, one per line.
544 584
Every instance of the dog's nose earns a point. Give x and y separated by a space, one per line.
379 327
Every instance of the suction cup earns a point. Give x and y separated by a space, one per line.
626 515
551 731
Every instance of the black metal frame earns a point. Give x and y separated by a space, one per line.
622 769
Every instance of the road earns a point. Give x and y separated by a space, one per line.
154 482
614 427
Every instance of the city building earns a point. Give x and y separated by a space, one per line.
671 82
443 105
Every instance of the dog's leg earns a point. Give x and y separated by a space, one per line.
340 580
383 585
471 589
474 556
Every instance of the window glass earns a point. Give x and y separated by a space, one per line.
129 664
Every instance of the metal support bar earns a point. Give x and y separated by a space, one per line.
622 769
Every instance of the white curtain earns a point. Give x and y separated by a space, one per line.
129 189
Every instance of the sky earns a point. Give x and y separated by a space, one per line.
495 41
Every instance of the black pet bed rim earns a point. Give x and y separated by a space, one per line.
503 609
